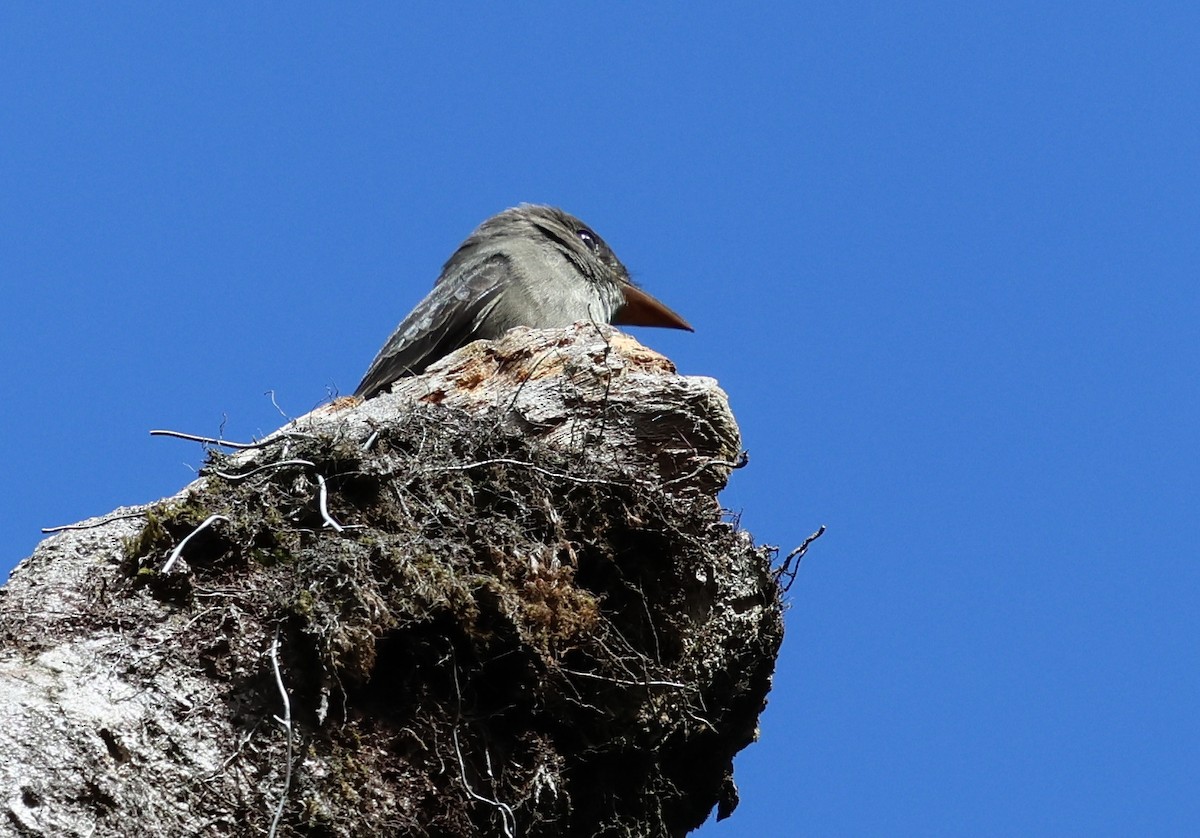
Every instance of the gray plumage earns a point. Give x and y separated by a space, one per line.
531 266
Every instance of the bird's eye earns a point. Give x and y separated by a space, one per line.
589 238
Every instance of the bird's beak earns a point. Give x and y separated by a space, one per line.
641 309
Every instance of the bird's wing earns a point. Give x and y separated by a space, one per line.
442 322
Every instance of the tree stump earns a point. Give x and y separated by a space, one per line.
499 600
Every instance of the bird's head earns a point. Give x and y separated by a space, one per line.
586 251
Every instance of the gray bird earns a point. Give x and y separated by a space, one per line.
531 266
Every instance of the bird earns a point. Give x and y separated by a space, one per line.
531 265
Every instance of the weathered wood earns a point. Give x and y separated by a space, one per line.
534 621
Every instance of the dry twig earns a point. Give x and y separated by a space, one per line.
286 723
178 551
791 565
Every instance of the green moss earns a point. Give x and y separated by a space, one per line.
303 604
153 533
469 616
166 523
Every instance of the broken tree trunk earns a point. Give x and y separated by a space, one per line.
501 600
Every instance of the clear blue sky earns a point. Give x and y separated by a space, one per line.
942 256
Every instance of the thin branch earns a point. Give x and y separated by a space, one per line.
243 475
178 551
323 497
791 565
199 616
506 812
508 819
243 741
623 682
323 501
701 720
271 393
510 462
98 523
208 440
740 462
286 723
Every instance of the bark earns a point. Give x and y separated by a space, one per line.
501 600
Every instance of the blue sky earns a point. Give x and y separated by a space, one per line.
943 257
